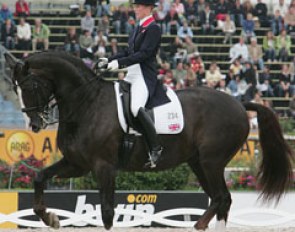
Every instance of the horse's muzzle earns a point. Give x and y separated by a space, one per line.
36 124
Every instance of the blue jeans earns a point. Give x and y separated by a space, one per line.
118 24
270 54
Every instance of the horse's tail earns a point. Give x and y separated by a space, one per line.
275 171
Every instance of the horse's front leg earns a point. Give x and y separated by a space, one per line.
106 174
61 169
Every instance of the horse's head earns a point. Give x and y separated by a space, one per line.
35 90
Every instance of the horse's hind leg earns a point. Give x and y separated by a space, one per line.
106 174
211 178
61 169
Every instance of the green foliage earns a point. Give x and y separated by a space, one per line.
288 126
174 179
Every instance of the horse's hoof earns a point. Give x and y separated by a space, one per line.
220 226
200 226
53 220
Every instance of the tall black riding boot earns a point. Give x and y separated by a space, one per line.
151 136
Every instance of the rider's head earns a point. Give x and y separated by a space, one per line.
143 8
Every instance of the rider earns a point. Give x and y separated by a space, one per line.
140 60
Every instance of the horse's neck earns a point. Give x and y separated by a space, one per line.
76 100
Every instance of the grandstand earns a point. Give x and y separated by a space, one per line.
57 15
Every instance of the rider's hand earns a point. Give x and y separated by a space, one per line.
102 62
113 65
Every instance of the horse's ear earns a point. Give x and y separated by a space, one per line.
10 60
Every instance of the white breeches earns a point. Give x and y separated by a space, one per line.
139 91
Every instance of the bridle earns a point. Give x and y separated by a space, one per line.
32 83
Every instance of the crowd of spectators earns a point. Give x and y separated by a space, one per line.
181 65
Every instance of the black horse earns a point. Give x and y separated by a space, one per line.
89 134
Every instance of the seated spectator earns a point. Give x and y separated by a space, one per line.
113 49
164 67
239 50
100 49
197 63
23 35
172 21
281 6
191 12
238 87
103 8
5 14
120 20
8 34
221 9
185 31
265 83
40 34
191 78
179 74
236 67
87 22
284 88
289 21
277 23
248 28
104 25
249 75
283 46
178 51
179 8
86 43
72 42
207 20
176 46
237 13
100 37
261 13
201 6
22 8
269 46
213 75
91 5
168 80
159 15
248 8
191 48
255 53
228 29
222 87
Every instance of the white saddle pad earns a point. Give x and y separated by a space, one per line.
168 117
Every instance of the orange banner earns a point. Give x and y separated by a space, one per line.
24 142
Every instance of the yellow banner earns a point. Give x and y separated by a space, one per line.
8 205
24 143
17 143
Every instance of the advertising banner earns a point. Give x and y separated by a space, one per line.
23 143
132 209
16 144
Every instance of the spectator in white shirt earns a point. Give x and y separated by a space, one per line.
239 50
280 5
23 35
179 7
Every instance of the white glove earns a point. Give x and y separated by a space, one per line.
102 62
113 65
